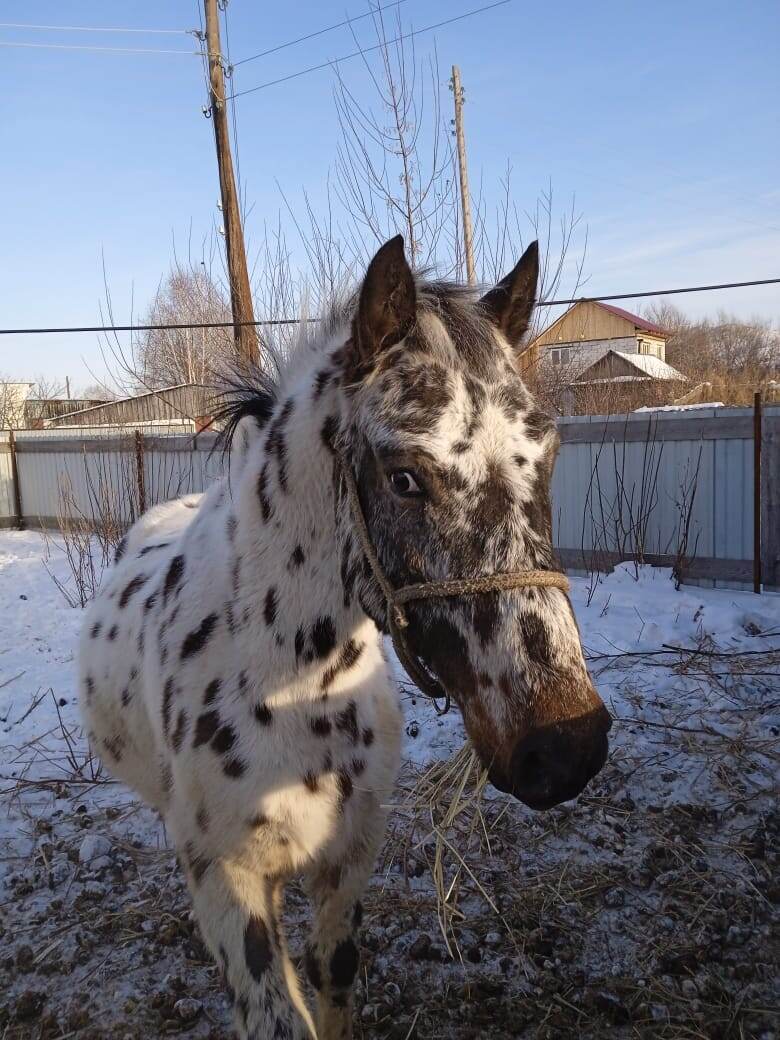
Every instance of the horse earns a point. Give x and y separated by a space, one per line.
392 479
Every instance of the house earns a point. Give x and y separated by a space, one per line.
188 406
588 331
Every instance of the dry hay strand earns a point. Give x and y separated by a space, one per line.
446 804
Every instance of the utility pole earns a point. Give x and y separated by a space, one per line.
238 274
67 387
465 200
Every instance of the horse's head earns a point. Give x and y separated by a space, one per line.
453 463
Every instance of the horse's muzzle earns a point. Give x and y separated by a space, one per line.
553 763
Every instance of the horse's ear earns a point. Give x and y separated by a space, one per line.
510 303
388 302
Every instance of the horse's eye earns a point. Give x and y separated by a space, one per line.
404 483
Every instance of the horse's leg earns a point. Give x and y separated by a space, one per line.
237 911
332 954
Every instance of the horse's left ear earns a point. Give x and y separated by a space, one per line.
388 302
510 303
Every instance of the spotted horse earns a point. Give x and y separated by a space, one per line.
232 667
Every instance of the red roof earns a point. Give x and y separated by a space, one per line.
641 323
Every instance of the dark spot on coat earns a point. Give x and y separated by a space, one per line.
113 632
172 577
345 784
130 589
358 766
150 601
263 714
269 612
537 643
197 639
125 697
311 783
328 432
120 550
368 736
231 526
485 607
346 722
257 947
259 820
202 818
178 734
205 728
224 739
262 493
300 643
234 768
323 636
348 658
357 915
211 692
321 380
344 964
321 726
151 548
297 556
95 630
243 682
167 704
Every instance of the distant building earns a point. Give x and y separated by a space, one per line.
587 332
37 411
616 366
188 405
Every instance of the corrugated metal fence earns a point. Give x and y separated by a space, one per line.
671 488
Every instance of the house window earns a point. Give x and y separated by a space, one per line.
559 355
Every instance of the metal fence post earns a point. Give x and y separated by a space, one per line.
139 471
15 481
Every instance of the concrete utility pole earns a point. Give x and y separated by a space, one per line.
465 199
240 292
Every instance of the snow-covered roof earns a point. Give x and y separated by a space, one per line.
650 365
646 366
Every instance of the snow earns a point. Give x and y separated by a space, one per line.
695 741
679 407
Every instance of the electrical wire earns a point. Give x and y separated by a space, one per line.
367 50
319 32
298 321
87 47
90 28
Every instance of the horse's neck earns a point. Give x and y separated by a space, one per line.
291 593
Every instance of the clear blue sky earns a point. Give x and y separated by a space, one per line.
662 118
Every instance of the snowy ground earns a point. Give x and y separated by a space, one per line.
647 908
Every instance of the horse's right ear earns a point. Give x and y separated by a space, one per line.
388 303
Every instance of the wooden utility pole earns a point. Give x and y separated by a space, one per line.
465 200
67 387
240 292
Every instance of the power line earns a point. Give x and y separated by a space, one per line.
90 28
88 47
367 50
319 32
659 292
299 321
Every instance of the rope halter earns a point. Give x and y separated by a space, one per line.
395 599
